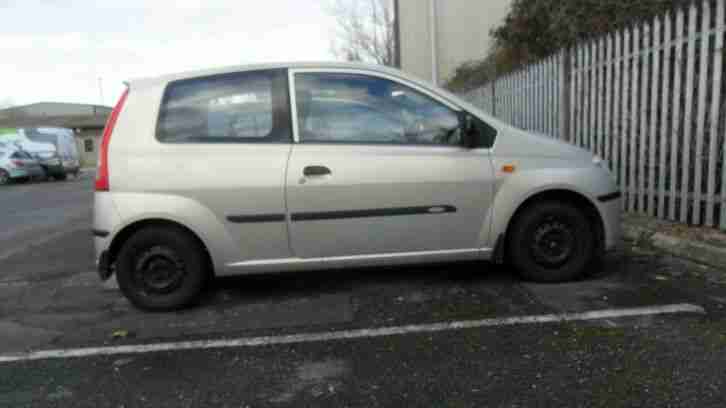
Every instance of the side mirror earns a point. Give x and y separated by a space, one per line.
467 129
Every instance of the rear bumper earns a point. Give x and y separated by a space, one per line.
103 266
18 173
106 223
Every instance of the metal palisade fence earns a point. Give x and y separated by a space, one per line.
650 99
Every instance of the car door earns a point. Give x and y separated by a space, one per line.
225 140
378 169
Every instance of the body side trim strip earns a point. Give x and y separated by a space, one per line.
452 252
242 219
378 212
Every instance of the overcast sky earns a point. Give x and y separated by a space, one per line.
55 50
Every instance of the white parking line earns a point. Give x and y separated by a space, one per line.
349 334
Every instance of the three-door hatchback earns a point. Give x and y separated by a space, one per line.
291 167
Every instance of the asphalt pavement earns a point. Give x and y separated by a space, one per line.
357 338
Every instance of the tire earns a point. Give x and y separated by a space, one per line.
61 177
162 269
552 242
4 177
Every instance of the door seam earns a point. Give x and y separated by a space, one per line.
288 218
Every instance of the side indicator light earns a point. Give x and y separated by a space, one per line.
509 168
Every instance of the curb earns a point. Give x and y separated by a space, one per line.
690 249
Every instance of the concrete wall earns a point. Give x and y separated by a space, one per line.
62 109
88 139
462 33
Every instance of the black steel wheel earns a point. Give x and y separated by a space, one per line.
552 242
161 269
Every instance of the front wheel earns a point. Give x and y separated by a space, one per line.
161 269
552 242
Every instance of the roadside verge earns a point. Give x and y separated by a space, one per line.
698 244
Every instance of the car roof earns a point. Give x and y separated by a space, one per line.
452 99
161 80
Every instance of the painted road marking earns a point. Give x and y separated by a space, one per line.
349 334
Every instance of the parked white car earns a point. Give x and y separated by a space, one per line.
291 167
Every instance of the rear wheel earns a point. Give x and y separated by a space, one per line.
61 177
161 269
4 177
552 242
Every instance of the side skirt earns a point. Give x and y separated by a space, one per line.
404 258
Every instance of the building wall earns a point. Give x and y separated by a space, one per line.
415 38
462 33
88 142
62 109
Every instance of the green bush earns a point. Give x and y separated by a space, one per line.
535 29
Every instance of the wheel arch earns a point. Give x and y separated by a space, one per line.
562 194
127 231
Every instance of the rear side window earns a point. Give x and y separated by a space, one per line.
249 107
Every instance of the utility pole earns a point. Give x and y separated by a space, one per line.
100 88
433 28
397 33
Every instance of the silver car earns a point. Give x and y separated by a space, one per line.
17 164
292 167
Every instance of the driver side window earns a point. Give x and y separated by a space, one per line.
353 108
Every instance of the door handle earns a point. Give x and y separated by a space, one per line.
316 171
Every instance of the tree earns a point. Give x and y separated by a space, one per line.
535 29
365 31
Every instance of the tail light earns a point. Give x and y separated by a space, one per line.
18 163
102 176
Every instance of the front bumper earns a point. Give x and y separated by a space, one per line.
53 169
36 171
610 207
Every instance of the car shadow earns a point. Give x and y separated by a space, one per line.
289 285
284 286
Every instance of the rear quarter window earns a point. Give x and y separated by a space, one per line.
232 108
